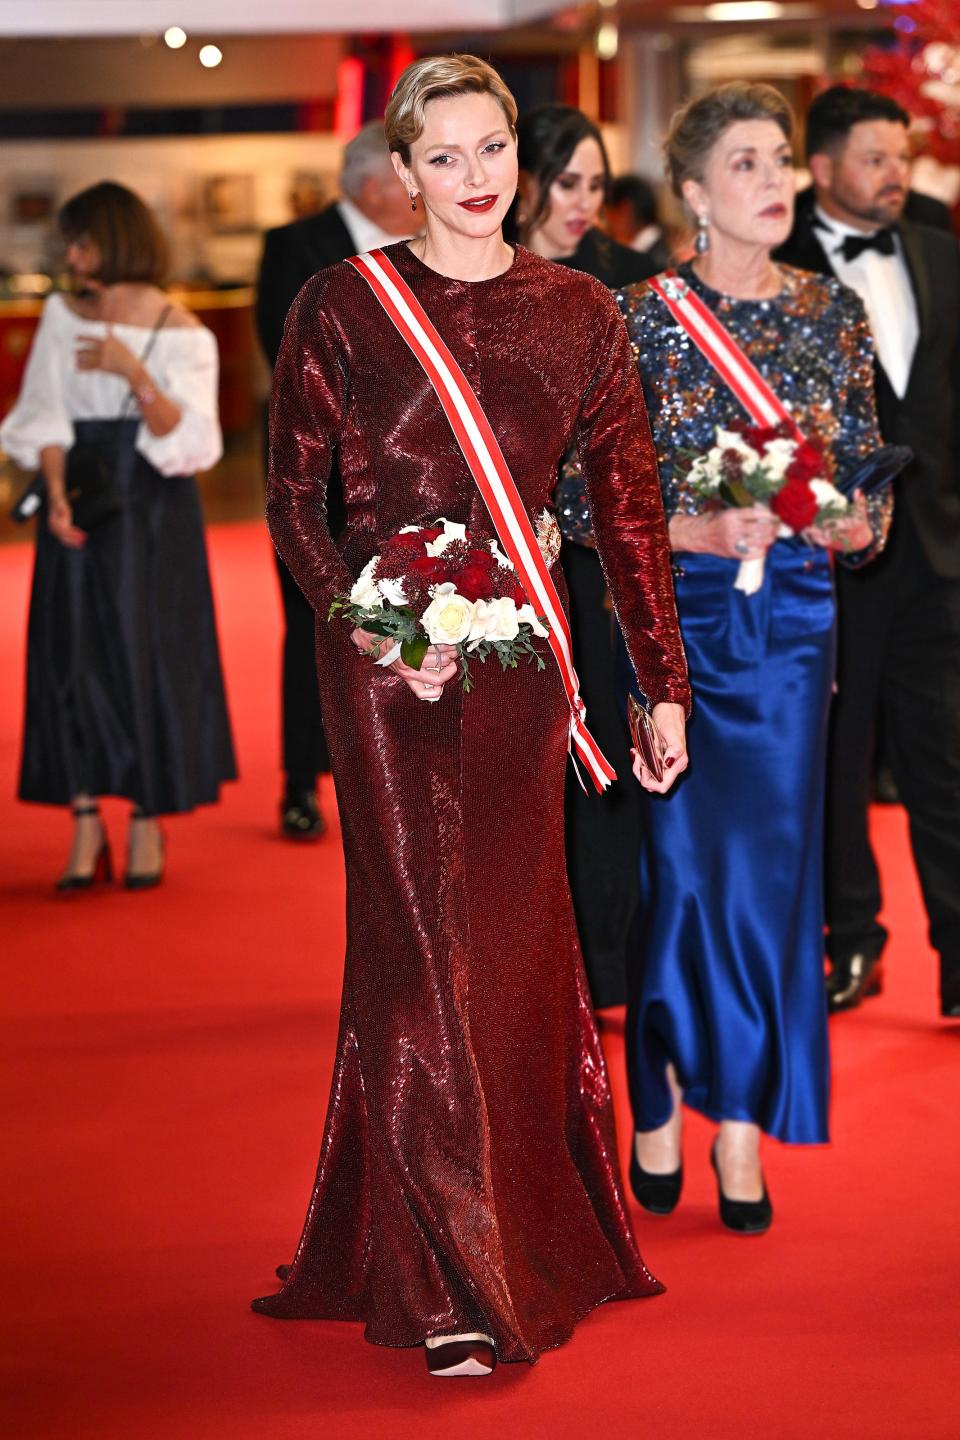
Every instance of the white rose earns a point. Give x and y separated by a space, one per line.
392 591
365 593
778 457
448 617
528 616
705 471
827 494
503 620
733 440
451 531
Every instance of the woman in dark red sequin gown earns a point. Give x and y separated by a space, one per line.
468 1179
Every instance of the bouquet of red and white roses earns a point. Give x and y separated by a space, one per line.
440 585
768 465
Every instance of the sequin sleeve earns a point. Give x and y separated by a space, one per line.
858 434
307 407
620 468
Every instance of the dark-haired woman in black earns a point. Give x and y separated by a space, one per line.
564 176
117 411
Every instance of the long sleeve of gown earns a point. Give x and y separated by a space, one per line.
307 407
859 432
619 465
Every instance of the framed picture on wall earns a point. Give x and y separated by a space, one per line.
32 201
230 204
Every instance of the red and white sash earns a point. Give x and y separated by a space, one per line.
735 368
494 481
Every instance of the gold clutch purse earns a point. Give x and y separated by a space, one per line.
645 736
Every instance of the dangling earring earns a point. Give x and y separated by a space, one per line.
413 200
702 242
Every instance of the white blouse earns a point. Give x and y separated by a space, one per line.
183 364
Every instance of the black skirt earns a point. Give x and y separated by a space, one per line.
125 690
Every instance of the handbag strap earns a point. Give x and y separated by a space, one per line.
732 364
161 320
497 486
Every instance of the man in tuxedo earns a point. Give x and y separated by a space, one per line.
900 616
374 210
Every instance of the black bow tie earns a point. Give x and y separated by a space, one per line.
854 245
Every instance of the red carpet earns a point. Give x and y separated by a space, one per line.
170 1055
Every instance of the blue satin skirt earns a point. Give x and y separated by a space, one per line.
728 973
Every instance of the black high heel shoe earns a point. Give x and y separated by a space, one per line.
657 1193
745 1217
103 864
140 879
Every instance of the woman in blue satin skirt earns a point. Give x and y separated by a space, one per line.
727 1007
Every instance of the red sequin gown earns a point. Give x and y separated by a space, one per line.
468 1177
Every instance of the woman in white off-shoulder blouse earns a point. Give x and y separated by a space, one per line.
117 411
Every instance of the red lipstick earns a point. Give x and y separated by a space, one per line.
481 203
774 212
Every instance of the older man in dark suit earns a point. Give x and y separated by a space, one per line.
374 210
900 617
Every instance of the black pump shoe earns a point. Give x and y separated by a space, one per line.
145 879
657 1193
745 1217
102 865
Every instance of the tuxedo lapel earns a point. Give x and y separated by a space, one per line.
920 283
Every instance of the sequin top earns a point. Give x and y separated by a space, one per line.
812 345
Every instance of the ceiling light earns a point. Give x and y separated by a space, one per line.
744 10
607 42
210 56
175 37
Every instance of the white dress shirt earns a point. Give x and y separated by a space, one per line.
363 232
883 284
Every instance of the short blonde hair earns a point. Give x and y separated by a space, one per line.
696 128
437 77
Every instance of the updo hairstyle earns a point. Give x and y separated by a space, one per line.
698 125
439 77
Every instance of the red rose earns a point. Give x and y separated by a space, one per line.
429 535
758 437
473 582
431 569
806 464
481 556
795 504
411 541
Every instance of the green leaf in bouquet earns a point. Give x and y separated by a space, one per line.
413 651
736 494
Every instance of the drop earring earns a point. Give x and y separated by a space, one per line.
701 243
413 200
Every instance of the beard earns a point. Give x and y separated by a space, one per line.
884 208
